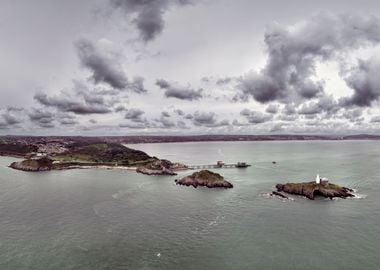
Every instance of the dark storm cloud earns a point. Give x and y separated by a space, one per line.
294 51
147 15
134 115
103 68
256 117
180 92
365 81
106 67
71 104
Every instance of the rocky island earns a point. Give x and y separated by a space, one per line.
204 178
312 189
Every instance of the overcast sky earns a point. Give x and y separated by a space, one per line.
127 67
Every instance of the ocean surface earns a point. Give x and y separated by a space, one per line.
115 219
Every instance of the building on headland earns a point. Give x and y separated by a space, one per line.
242 165
220 164
323 180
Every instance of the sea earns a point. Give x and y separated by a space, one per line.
117 219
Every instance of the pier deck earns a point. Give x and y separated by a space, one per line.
219 166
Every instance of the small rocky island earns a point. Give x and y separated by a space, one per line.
204 178
312 189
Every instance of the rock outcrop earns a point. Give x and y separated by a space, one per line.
311 189
33 165
160 167
204 178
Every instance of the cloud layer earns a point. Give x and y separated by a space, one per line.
290 71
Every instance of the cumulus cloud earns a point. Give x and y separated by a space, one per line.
165 114
67 103
256 117
42 118
326 104
375 119
164 122
272 108
135 115
290 71
9 117
208 119
179 112
173 90
147 15
105 66
355 115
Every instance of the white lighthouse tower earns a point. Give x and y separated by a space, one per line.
317 179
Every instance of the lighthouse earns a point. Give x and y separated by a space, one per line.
317 179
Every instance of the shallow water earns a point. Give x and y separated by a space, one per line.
110 219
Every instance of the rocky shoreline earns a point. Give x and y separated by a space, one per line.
161 167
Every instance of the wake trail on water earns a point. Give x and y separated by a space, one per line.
275 169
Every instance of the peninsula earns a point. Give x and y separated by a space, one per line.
66 154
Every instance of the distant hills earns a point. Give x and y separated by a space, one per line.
192 138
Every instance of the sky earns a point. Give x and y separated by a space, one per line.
186 67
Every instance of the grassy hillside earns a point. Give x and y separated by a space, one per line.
102 153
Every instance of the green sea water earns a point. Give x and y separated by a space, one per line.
114 219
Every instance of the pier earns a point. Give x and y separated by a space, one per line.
219 165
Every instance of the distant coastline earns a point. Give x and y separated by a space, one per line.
195 138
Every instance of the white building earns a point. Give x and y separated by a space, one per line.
317 179
320 180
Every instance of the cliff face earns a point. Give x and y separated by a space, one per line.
312 189
33 165
205 178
